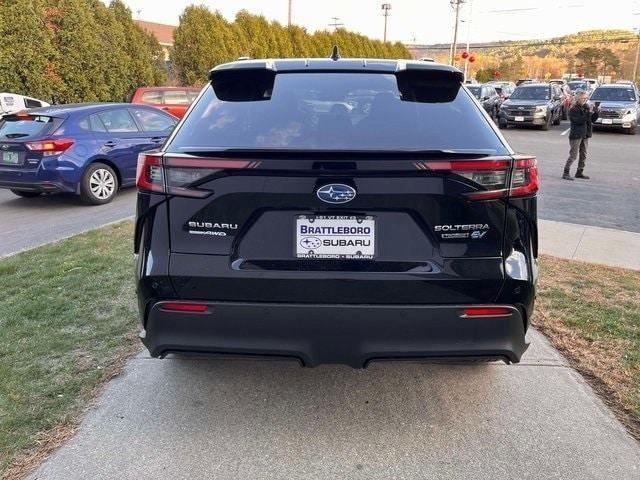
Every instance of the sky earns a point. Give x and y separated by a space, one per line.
423 21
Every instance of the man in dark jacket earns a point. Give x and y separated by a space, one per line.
581 117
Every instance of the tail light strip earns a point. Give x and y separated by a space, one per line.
491 175
176 175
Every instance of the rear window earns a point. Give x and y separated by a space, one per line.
476 91
176 97
22 127
336 111
151 97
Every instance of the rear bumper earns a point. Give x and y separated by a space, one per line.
346 334
34 180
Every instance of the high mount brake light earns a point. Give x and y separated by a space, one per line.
52 146
492 175
177 175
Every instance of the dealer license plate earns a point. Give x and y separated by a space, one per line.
519 119
335 236
607 121
11 158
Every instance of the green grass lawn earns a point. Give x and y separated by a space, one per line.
592 314
67 314
68 318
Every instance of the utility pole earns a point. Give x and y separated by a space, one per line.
469 19
289 14
635 65
335 23
454 45
386 11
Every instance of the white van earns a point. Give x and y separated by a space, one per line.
12 103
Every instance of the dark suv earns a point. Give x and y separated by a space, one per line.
336 211
488 97
537 104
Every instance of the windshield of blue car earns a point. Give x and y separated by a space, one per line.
13 127
614 95
530 93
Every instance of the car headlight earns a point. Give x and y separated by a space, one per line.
541 109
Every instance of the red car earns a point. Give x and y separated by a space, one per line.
175 100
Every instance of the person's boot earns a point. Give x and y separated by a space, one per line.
566 175
581 175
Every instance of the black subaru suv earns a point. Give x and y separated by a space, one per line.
336 211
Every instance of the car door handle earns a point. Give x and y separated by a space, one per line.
157 139
110 144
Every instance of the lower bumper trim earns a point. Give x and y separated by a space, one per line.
354 335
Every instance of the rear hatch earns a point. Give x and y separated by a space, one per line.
19 135
337 188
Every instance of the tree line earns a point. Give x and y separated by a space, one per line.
592 53
66 51
196 50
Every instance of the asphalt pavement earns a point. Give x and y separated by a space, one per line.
610 199
215 419
29 222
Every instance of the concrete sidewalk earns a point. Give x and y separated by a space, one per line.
606 246
202 419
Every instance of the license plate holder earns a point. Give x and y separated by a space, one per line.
11 158
519 119
607 121
338 237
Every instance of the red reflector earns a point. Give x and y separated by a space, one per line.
184 307
486 311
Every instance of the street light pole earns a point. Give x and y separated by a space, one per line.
386 7
454 44
289 14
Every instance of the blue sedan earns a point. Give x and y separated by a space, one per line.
87 149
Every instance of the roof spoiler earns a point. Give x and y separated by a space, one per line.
246 81
253 80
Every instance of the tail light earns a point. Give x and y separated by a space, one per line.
54 146
181 175
494 177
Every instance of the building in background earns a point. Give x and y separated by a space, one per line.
164 34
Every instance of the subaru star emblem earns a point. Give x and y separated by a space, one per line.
336 193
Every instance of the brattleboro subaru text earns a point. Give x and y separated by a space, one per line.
336 211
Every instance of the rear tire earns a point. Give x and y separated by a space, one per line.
25 193
99 184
